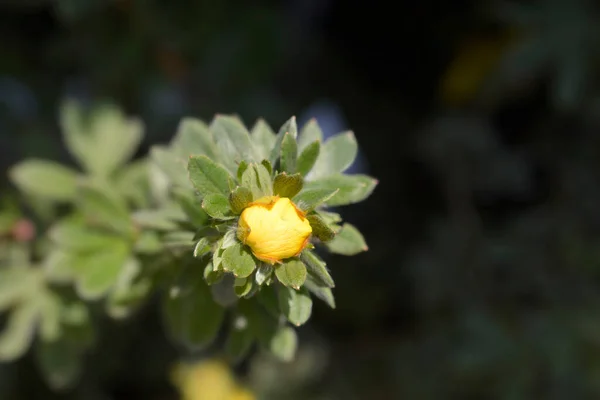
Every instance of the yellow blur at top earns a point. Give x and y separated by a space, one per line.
208 380
274 229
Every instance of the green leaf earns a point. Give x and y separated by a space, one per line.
233 140
243 286
239 199
19 331
263 272
73 235
242 166
129 291
286 185
291 273
352 188
308 157
132 182
60 363
202 248
50 310
45 179
263 138
208 176
289 127
320 229
349 241
308 199
239 341
171 165
284 344
268 298
238 260
258 180
99 271
179 239
289 153
337 155
192 208
103 141
311 132
217 206
295 305
193 137
102 207
317 269
160 219
211 276
321 292
268 166
148 243
190 314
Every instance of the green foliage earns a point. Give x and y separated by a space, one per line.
122 231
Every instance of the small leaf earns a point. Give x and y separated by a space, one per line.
202 248
217 206
211 276
242 166
159 219
295 305
337 155
243 286
320 229
258 180
289 127
289 153
208 176
284 344
291 273
229 239
263 138
190 314
352 188
309 199
45 179
239 199
286 185
317 269
263 272
19 331
323 293
349 241
99 271
311 132
308 157
239 261
193 137
101 207
268 166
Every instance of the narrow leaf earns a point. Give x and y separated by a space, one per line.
263 138
289 153
311 132
321 292
308 157
349 241
317 269
352 188
337 155
309 199
320 229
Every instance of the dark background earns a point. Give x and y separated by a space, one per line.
481 281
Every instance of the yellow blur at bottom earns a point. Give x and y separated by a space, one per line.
208 380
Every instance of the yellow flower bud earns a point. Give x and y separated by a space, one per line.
274 228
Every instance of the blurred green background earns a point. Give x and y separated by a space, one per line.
479 118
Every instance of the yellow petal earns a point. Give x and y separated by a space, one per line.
274 229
